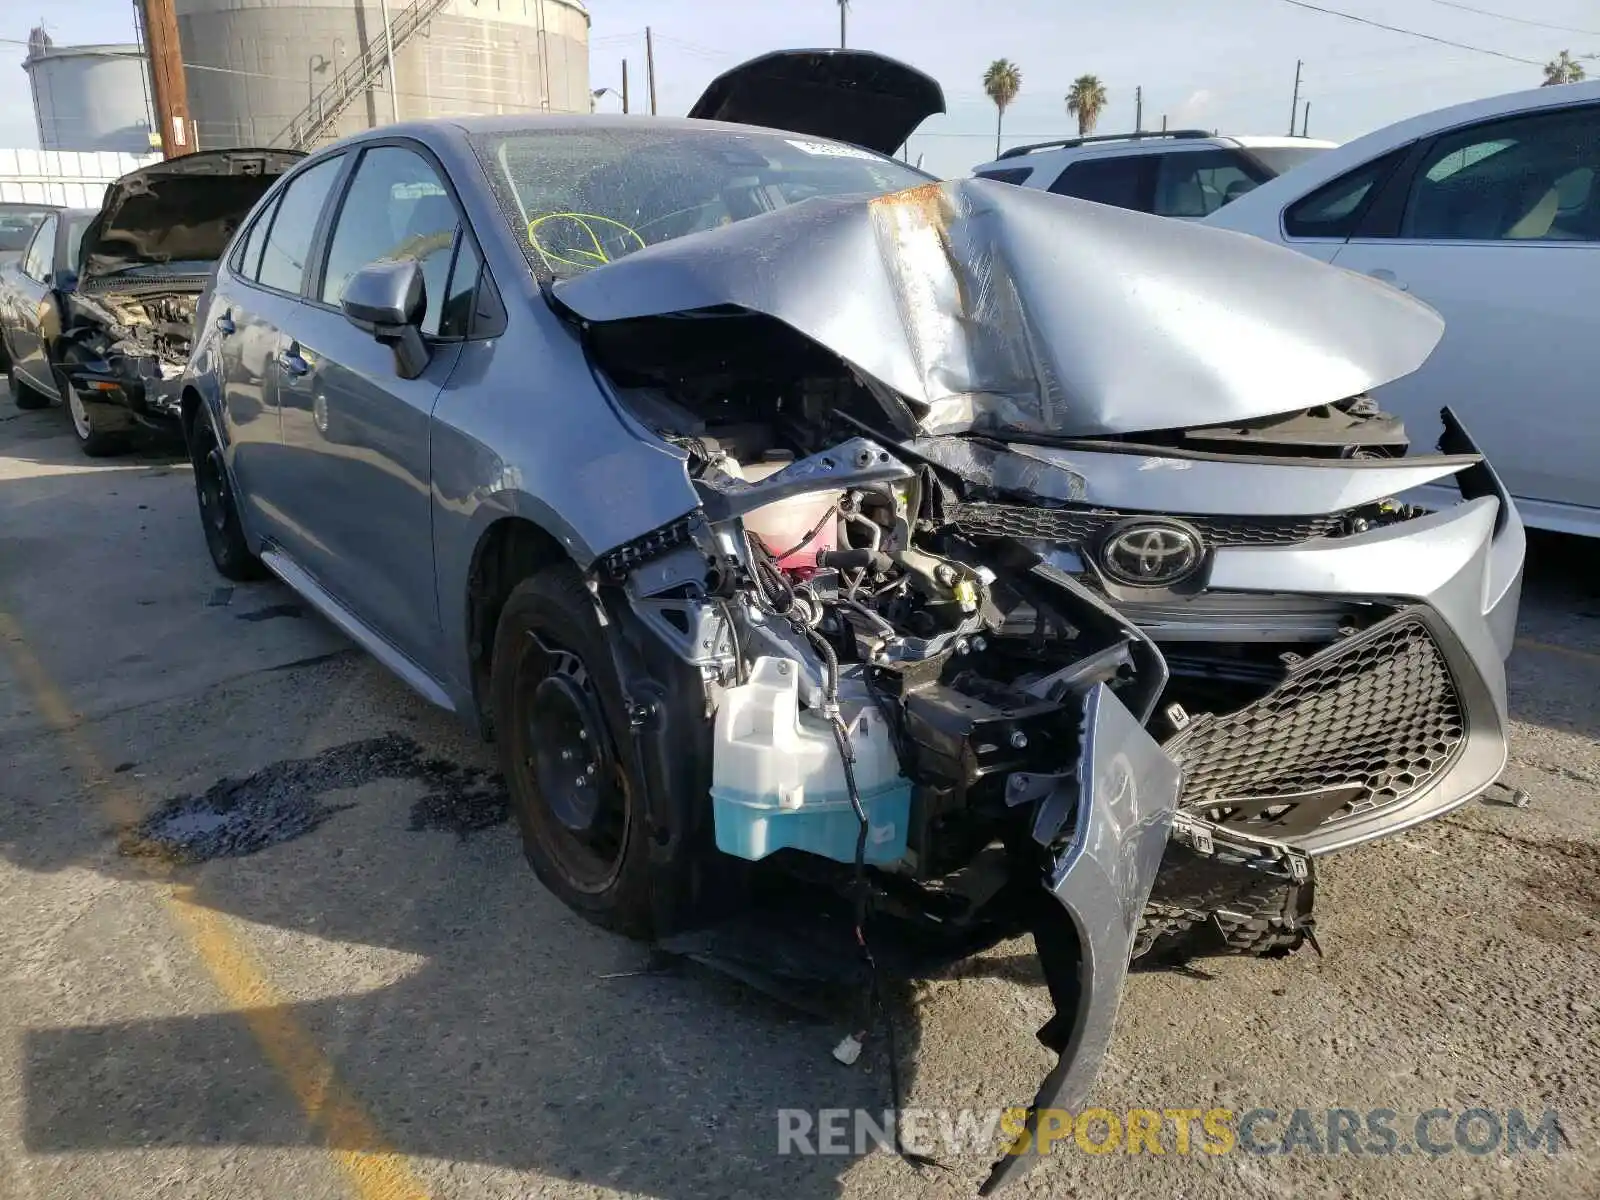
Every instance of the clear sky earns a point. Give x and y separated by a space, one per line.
1226 64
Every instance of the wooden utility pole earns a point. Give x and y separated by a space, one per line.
624 85
844 6
650 67
166 78
1294 104
1138 110
1305 121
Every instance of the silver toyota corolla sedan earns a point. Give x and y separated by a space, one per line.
815 537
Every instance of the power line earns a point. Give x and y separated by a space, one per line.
1427 37
1484 12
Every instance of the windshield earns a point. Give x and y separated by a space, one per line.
1279 159
579 199
17 223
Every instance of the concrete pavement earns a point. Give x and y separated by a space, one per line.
391 1006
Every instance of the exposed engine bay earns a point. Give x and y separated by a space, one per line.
158 323
135 338
145 258
918 652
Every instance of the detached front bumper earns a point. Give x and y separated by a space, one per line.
1126 793
139 391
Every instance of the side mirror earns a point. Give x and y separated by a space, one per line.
387 299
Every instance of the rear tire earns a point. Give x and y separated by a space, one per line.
219 510
22 395
567 754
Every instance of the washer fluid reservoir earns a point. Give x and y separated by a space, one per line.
777 781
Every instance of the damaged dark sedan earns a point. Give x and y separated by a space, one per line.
126 323
811 535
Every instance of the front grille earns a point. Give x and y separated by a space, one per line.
1359 726
1083 526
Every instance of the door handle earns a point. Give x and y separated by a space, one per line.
1384 275
225 324
290 363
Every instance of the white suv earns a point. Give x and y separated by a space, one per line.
1183 173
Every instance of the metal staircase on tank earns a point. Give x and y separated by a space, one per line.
318 117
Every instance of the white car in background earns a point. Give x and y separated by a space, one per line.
1178 173
1489 212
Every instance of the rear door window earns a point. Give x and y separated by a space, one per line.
1195 183
1123 181
247 259
1529 178
294 226
396 208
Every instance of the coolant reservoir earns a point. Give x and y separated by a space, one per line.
785 524
777 781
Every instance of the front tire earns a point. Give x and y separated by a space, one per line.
219 510
90 425
566 753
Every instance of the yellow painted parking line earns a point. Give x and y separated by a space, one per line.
1584 656
375 1170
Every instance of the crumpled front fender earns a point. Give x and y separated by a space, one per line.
1127 793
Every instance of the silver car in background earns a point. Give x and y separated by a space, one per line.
819 540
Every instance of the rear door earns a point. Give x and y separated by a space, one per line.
356 434
252 300
1497 225
32 285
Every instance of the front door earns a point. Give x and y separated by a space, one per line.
357 434
28 356
1500 233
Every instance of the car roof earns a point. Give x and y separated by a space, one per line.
1253 141
558 122
1148 142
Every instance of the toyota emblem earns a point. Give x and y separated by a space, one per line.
1150 552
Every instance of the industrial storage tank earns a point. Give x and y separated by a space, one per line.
254 66
89 97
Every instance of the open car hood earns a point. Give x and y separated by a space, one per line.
182 209
847 95
983 307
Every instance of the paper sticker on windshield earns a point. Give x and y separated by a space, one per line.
830 150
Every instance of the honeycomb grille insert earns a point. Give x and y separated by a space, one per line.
1081 526
1363 724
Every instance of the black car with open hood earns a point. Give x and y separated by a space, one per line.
142 265
848 95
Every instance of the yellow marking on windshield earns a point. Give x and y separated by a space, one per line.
578 256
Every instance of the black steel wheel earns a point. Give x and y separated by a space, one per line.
219 512
566 754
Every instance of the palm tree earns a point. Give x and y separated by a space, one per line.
844 6
1002 81
1563 69
1085 101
